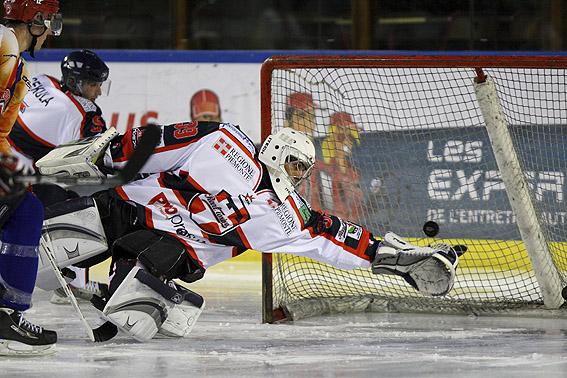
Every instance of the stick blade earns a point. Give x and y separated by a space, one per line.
145 148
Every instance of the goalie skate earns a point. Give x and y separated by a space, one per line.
430 270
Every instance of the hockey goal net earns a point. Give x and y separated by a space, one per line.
477 145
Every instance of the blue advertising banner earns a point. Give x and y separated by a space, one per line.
450 176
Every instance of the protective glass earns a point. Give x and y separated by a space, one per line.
54 23
104 86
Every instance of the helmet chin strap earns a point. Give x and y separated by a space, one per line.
31 49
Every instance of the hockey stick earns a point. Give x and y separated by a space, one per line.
45 242
139 157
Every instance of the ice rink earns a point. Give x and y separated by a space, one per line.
229 340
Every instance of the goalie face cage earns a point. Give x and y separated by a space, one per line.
402 140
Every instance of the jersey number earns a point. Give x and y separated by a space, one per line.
185 130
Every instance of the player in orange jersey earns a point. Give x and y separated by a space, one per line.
27 25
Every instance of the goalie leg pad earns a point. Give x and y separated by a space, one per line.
141 304
183 316
430 270
76 233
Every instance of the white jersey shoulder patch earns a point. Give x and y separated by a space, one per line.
240 135
87 105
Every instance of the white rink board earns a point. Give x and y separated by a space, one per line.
161 91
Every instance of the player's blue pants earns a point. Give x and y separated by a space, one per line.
19 253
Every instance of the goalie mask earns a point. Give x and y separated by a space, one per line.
289 156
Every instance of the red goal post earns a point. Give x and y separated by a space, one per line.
430 106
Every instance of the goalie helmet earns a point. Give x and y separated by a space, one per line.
26 11
80 67
289 156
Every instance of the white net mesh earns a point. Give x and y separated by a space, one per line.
417 150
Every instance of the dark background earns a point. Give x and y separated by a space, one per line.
514 25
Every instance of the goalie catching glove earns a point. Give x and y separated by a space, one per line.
430 270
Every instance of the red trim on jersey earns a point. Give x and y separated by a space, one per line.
243 237
177 193
127 150
120 191
234 251
172 147
239 143
264 191
149 217
180 198
80 109
160 180
32 135
54 81
247 152
189 249
178 145
359 252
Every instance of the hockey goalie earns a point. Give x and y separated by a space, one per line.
207 195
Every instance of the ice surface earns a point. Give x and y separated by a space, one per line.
230 341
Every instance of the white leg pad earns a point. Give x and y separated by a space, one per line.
76 234
182 318
137 309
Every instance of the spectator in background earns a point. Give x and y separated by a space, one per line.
340 140
205 106
300 112
334 185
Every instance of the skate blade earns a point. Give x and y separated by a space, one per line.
17 349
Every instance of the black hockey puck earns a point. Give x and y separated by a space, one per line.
431 229
564 293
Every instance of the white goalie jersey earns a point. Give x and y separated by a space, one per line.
206 187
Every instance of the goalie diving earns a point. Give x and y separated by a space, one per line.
207 195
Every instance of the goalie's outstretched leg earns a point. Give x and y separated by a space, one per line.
430 270
143 304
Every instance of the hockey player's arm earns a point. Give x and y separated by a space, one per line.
169 155
7 120
331 240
